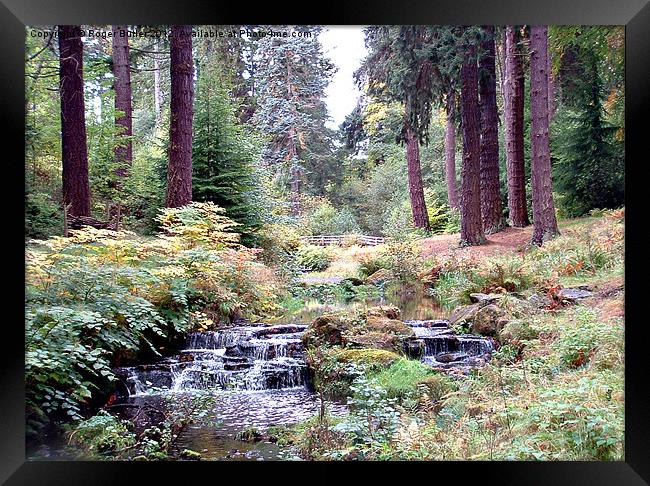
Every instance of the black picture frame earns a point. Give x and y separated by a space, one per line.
16 14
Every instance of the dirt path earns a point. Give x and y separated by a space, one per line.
509 240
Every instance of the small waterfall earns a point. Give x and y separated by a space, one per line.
445 349
256 357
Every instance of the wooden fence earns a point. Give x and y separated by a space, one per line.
324 240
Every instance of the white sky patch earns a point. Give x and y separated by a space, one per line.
344 46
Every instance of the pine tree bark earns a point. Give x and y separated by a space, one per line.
491 212
450 150
552 89
179 176
513 90
471 228
157 95
544 220
122 86
76 188
416 187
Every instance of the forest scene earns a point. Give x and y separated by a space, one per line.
324 243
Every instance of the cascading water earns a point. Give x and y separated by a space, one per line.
444 349
259 374
255 357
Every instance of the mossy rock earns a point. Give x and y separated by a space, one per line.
517 330
388 312
489 320
367 357
190 455
327 329
380 333
463 316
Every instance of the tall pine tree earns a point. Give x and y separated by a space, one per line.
222 155
292 74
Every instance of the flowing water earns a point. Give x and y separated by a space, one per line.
256 376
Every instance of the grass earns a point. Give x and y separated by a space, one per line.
553 391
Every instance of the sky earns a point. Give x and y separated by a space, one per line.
344 46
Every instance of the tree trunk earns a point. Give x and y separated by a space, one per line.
295 174
76 188
157 95
122 85
179 177
551 89
471 228
513 96
450 150
544 221
416 187
492 215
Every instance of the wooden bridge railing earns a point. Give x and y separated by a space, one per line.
325 240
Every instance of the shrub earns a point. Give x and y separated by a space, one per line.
401 379
578 342
102 435
313 258
321 218
371 263
100 296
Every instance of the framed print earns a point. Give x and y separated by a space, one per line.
388 234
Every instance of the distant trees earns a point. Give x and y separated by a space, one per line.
222 157
399 67
514 128
450 149
122 87
471 227
179 174
490 188
292 75
544 219
76 188
587 151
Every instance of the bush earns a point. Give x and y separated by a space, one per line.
43 217
401 379
99 297
321 218
102 435
580 341
373 262
313 258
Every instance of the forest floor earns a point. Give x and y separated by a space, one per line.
510 240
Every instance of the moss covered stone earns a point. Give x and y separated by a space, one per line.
366 357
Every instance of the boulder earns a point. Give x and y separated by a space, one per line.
379 333
389 312
327 329
539 301
414 348
483 299
573 294
488 321
463 315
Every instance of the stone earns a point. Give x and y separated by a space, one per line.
488 321
414 348
190 455
389 312
463 315
327 329
539 301
483 299
573 294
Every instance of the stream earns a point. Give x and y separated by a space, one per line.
257 377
